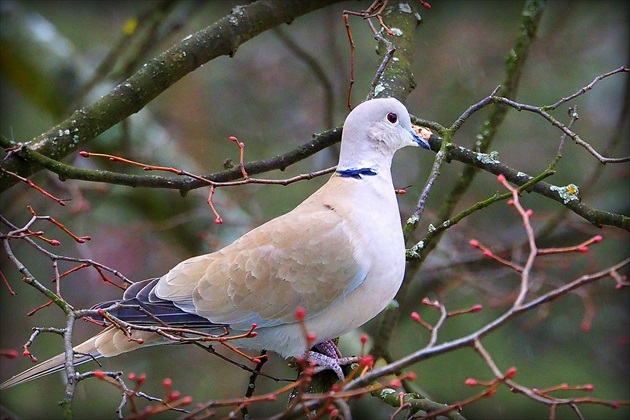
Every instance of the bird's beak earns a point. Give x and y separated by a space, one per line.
421 136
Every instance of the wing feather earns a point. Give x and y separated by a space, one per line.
308 257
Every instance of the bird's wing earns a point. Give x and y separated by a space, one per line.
310 257
140 306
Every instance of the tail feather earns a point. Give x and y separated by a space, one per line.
110 342
49 366
52 365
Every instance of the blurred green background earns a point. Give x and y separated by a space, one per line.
271 100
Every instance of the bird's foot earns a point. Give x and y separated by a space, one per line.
328 356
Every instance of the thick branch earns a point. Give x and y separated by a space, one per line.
397 78
320 142
222 38
597 217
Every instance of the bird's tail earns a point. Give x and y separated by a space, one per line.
110 342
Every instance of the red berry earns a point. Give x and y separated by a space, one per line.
10 354
300 313
395 383
510 373
367 361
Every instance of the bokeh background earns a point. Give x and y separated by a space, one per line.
272 100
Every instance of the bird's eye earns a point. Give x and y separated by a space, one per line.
392 118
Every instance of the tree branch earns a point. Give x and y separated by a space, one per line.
222 38
281 162
477 160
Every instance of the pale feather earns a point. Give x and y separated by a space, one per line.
108 343
309 257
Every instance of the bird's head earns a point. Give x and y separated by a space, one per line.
373 132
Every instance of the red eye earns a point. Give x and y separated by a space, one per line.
392 118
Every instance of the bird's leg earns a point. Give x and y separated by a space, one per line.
329 348
328 356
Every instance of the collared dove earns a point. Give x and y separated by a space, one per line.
339 255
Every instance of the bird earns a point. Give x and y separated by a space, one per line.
339 257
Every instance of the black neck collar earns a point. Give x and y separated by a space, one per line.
356 172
